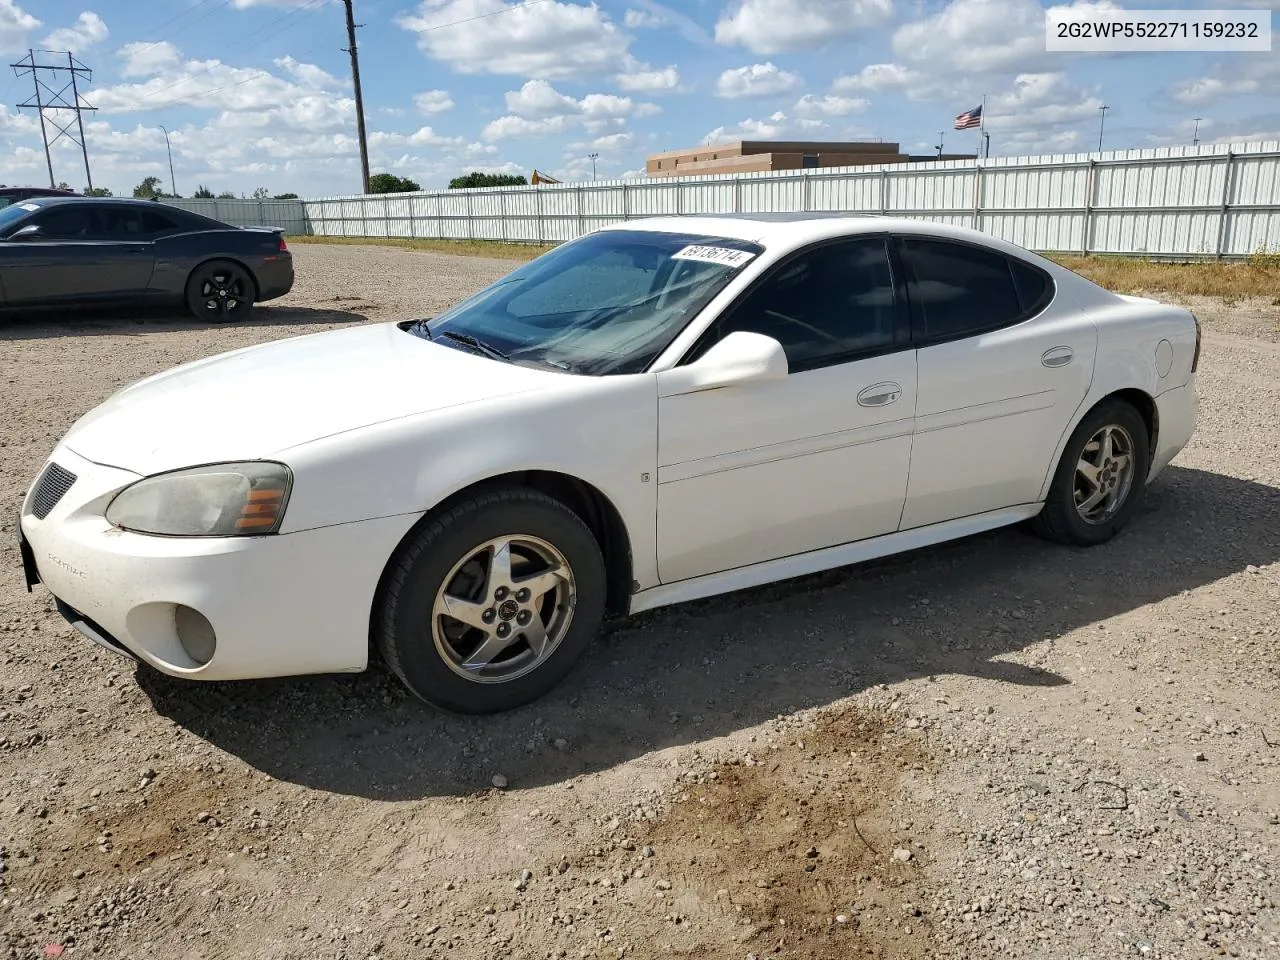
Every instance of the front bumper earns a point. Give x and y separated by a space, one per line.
279 605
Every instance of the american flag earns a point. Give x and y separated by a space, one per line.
969 119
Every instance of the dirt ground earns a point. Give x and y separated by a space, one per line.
995 748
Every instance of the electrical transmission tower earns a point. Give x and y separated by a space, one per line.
52 84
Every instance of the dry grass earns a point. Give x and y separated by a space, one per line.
462 248
1258 276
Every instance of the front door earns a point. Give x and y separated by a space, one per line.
763 470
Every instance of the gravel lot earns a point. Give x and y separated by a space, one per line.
997 748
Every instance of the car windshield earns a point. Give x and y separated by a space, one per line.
13 213
607 303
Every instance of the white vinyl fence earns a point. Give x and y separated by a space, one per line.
1220 200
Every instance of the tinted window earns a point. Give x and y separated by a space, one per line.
1034 286
123 222
71 221
959 289
824 306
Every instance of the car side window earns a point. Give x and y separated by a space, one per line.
825 306
959 290
72 221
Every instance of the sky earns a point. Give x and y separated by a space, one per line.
257 93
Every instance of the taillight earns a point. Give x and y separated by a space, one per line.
1195 357
284 248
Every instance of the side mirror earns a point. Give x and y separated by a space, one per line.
740 357
32 231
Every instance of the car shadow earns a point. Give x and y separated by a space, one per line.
700 670
139 321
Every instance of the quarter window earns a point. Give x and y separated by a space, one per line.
827 305
960 290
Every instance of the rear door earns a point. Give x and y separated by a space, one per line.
1004 362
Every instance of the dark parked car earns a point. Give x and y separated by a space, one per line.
10 195
64 251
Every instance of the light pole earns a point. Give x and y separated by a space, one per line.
172 183
1102 114
1195 134
592 158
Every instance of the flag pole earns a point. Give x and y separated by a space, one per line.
982 129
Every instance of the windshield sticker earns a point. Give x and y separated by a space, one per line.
721 255
28 206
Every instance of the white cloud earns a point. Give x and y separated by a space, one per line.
643 79
877 77
539 109
609 143
1040 100
756 80
538 98
245 4
432 102
641 19
1239 75
512 127
310 74
777 26
15 24
551 39
829 106
147 59
777 125
87 30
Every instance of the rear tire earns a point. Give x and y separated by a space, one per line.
220 291
1100 478
490 604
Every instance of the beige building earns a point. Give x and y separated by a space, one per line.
753 156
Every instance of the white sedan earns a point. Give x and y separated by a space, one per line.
661 410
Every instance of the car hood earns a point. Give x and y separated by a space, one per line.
257 401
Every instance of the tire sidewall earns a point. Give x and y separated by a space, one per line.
195 302
405 622
1123 415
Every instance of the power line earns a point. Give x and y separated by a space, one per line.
50 104
196 6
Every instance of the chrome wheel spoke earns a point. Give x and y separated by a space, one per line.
488 651
464 611
535 634
540 583
500 567
1107 447
1091 501
1104 474
1088 471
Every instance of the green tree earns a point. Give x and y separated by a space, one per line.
203 193
98 192
261 193
390 183
65 186
227 195
477 179
285 196
148 189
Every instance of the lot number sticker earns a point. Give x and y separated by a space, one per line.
28 206
721 255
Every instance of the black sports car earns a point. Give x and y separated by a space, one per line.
65 251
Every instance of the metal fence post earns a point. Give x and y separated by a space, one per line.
582 218
538 215
1090 186
502 213
471 227
1225 211
977 196
884 191
626 202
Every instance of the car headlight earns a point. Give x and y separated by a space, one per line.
217 500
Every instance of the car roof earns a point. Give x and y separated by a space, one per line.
792 229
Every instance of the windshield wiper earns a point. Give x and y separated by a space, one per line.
466 339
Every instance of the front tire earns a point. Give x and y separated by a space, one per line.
220 292
1100 478
490 604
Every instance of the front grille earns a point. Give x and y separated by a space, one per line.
51 487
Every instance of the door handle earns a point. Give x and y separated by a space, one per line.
1057 356
879 394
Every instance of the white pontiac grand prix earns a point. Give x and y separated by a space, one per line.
658 411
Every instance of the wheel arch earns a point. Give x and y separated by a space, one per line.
231 258
591 505
1136 397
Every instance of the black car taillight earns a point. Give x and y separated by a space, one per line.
284 247
1195 357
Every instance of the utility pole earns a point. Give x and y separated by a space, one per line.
355 82
940 135
49 101
592 158
1102 121
1195 135
172 183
